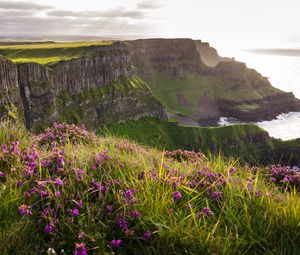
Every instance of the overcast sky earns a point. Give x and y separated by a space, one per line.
243 23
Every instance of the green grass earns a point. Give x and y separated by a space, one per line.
50 53
193 86
243 222
249 143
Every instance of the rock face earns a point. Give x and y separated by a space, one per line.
37 94
91 90
113 84
9 86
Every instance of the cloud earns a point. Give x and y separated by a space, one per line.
21 5
149 5
31 18
113 13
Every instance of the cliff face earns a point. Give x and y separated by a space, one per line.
197 85
91 90
9 86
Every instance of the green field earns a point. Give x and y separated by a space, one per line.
49 53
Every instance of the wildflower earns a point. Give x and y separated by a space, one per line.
116 243
81 235
2 174
206 211
75 212
58 182
122 223
177 195
57 194
20 183
129 193
272 179
48 229
147 235
135 214
216 195
79 174
4 148
25 210
80 249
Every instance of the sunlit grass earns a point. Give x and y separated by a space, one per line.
50 53
253 215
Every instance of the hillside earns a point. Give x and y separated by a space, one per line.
84 194
249 143
97 83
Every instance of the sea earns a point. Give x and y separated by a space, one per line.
282 67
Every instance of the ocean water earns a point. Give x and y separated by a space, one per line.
283 73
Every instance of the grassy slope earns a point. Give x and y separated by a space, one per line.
233 141
253 215
47 53
194 85
171 136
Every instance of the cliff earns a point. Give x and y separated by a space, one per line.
99 83
9 88
91 90
196 85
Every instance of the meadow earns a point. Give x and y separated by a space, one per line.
49 53
69 191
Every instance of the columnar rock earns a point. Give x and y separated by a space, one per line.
9 86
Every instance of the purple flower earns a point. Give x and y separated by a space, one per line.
216 195
75 212
122 223
79 174
48 229
58 182
2 174
147 235
177 195
25 210
81 235
272 179
80 249
20 183
116 243
57 194
135 214
206 211
129 193
4 148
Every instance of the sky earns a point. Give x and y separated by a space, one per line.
224 23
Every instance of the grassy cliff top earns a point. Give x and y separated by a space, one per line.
70 190
46 53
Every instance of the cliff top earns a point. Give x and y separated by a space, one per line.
49 52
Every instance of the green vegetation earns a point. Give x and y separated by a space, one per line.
249 143
76 108
50 53
193 86
105 195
